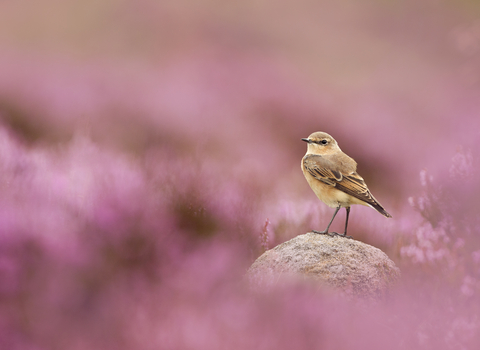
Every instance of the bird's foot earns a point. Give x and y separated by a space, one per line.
332 234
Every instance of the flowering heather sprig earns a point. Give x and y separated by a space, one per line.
448 236
264 235
429 203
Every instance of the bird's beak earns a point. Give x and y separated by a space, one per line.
306 140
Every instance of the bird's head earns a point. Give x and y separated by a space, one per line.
321 143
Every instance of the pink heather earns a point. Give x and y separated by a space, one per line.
144 144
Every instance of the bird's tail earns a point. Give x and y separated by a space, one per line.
378 207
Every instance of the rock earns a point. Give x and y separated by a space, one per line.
353 267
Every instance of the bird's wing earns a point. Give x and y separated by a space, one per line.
354 185
326 171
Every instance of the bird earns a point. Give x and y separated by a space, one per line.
333 177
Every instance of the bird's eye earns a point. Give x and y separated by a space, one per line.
324 142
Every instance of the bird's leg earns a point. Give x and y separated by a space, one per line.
346 224
325 232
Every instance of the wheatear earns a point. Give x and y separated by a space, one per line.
332 176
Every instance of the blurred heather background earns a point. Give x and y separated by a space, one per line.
150 151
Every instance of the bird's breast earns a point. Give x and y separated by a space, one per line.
327 193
